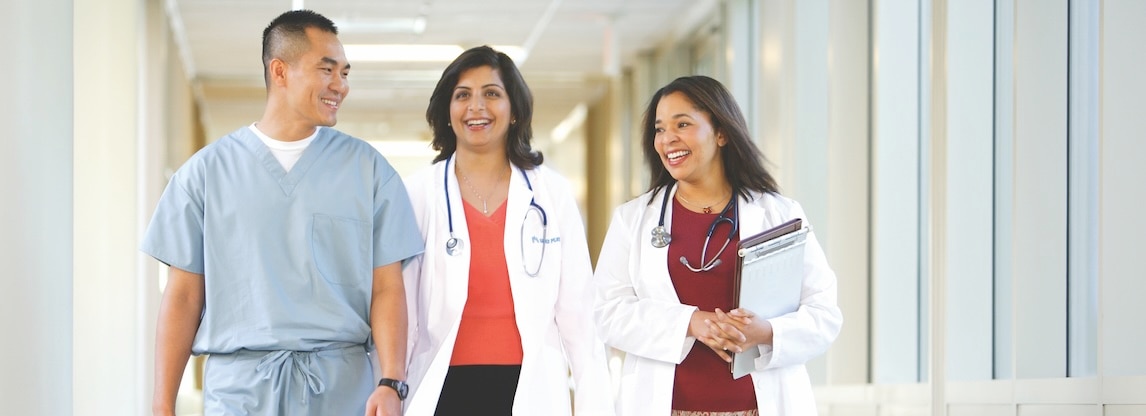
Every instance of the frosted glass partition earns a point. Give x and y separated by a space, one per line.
1122 224
895 192
1040 198
969 179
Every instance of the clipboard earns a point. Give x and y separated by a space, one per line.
768 279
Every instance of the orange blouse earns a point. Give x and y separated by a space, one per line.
488 332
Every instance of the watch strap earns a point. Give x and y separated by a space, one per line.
399 386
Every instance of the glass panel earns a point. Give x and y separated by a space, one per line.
1082 237
1004 189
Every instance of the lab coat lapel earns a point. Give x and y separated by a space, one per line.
523 288
517 203
753 217
654 261
457 268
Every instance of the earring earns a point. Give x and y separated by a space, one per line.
448 124
514 121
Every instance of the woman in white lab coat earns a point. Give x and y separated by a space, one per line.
500 303
664 276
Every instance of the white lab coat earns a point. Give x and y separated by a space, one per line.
553 310
639 313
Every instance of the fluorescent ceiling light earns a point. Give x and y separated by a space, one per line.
516 53
572 121
401 25
420 53
402 53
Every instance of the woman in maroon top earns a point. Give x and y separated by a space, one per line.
666 269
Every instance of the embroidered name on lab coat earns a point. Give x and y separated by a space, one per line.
547 240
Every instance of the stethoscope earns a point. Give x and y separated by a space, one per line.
661 238
454 245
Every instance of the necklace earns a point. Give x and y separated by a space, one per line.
484 206
706 208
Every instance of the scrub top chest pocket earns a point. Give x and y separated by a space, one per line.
341 249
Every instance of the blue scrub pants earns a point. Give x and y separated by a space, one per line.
289 383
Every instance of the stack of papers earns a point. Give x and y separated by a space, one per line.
769 278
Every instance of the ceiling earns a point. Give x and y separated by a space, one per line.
566 63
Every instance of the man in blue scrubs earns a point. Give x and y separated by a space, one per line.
286 240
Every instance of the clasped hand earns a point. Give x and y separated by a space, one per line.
728 333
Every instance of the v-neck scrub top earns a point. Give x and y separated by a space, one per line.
287 257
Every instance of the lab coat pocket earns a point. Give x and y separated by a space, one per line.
341 247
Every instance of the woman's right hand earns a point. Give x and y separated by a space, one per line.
700 327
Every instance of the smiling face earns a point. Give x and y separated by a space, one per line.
316 81
686 141
480 110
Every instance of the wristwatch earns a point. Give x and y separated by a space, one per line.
398 386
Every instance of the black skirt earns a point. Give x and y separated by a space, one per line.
478 390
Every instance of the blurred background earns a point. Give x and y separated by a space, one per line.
973 169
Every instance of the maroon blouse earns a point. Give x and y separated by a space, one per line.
703 381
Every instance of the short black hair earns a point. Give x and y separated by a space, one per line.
743 162
286 35
517 144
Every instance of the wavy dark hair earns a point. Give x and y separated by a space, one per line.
743 162
285 37
517 146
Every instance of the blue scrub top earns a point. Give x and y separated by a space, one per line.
287 257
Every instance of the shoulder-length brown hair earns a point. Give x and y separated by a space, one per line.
517 144
743 161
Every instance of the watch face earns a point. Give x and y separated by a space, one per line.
398 385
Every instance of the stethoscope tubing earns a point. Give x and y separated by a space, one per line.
454 245
661 238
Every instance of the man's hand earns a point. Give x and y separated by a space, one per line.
178 321
388 327
383 402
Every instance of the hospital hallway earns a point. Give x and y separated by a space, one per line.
973 170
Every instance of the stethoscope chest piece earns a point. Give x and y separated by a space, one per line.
661 238
454 245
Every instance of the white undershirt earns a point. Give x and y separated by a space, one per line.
287 153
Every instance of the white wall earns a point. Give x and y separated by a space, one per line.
36 210
849 184
110 356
